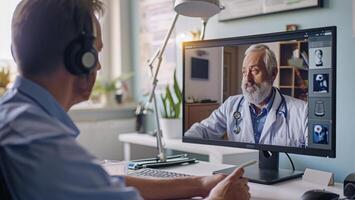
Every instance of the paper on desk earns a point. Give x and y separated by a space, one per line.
318 177
114 167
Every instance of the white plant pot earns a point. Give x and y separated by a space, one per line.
171 128
109 99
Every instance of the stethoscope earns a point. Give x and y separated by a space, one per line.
238 116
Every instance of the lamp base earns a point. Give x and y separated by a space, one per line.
181 159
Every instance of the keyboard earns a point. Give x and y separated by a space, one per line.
156 173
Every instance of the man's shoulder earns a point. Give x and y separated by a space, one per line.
10 111
25 122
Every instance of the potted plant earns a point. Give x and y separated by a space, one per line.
4 80
111 91
171 123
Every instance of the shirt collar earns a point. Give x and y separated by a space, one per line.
45 100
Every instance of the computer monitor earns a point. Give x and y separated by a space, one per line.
255 102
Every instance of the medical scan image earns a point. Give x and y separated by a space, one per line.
320 134
321 83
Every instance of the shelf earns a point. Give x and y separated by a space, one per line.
286 77
287 51
196 112
293 69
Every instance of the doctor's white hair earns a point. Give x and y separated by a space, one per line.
269 56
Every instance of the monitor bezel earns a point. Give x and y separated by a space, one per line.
264 38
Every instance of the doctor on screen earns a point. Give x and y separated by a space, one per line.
261 115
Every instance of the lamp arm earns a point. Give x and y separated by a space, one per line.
203 29
159 55
153 58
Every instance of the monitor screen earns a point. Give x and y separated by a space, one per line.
272 92
199 68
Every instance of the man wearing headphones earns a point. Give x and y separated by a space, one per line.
55 44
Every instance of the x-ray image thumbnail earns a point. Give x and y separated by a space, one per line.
320 134
321 83
318 57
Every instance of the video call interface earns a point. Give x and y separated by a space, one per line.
219 101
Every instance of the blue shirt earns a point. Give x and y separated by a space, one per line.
39 156
258 120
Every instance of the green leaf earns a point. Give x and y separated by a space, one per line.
172 105
171 102
165 114
177 90
177 110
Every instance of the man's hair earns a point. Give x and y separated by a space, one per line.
269 56
42 29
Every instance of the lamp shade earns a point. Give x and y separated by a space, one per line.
197 8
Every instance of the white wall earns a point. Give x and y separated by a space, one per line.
99 130
6 10
101 137
197 88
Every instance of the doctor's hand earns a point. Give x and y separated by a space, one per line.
233 187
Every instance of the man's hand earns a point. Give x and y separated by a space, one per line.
209 182
233 187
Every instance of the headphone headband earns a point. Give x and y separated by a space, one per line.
80 55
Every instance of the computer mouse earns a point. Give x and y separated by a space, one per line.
319 195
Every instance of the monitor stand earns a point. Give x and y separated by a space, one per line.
267 172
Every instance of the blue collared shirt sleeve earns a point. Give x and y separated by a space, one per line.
39 156
58 168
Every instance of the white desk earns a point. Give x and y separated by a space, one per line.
289 190
217 154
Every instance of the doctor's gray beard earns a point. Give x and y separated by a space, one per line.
259 93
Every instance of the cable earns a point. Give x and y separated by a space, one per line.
293 166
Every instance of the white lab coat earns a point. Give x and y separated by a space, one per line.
291 131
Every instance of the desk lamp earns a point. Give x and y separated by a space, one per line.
203 9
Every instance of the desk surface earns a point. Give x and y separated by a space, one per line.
288 190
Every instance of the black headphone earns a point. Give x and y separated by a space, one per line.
80 56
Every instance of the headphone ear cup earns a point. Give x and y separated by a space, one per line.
70 56
80 57
88 59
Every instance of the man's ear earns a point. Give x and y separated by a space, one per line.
12 53
82 82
